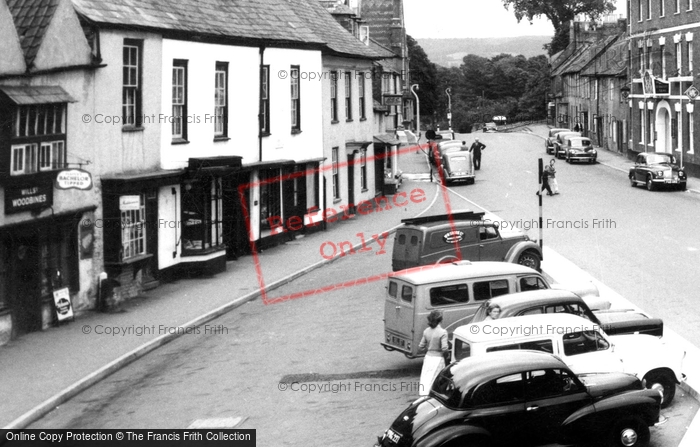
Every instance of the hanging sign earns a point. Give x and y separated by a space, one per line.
64 308
73 179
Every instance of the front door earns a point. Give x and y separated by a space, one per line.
351 183
24 295
235 229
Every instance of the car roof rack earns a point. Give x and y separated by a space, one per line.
459 215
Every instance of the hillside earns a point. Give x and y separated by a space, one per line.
449 52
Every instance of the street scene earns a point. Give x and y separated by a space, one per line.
360 247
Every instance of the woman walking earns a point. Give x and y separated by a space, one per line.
435 342
552 178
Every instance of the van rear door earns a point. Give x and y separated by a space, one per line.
399 316
407 247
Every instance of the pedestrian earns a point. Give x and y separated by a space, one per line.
464 146
552 177
493 313
434 342
476 149
545 183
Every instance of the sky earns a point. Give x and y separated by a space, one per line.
469 18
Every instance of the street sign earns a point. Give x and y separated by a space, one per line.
692 92
449 115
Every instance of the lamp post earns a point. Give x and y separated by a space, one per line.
415 87
448 90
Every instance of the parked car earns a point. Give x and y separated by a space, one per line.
612 321
439 143
581 344
525 398
560 142
580 149
458 290
490 127
549 142
655 169
458 165
436 239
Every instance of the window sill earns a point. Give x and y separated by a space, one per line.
132 129
179 141
334 121
221 138
338 200
364 190
264 134
132 260
296 131
349 120
363 119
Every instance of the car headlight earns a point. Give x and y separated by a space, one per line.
659 173
593 151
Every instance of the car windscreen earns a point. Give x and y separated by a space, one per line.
580 143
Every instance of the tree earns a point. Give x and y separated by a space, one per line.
425 74
559 13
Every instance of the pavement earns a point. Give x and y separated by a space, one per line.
41 370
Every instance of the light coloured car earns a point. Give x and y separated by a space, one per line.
581 344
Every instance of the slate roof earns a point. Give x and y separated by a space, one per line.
378 15
611 62
32 18
582 57
285 21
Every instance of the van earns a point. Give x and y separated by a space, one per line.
462 235
581 344
456 289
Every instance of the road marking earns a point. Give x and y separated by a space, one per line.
217 423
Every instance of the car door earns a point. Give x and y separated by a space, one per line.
639 171
499 406
551 396
589 352
491 245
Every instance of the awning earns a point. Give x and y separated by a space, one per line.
40 94
387 138
267 164
125 183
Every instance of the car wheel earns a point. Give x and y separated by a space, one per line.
663 382
530 259
629 432
650 184
633 183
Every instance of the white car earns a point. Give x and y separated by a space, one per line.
582 345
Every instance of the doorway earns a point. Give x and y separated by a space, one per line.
663 129
24 286
351 183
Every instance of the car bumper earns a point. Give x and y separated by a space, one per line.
668 181
579 157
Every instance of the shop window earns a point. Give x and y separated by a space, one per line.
202 215
133 225
38 138
270 197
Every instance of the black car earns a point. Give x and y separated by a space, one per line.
526 398
550 301
655 169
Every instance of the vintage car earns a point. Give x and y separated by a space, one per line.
581 344
549 142
655 169
440 141
461 235
457 166
580 149
490 127
521 398
612 321
560 142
